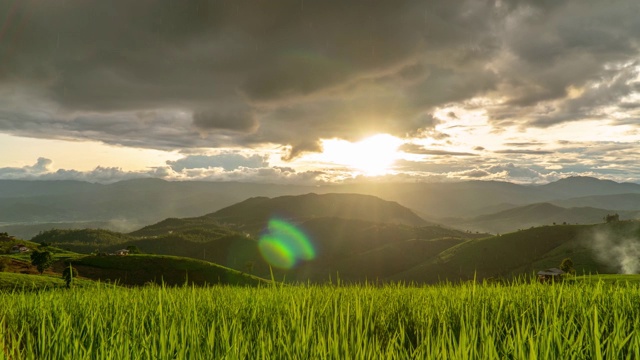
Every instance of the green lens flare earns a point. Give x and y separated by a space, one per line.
284 245
276 253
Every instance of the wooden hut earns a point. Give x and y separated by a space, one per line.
553 274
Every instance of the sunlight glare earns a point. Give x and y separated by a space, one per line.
372 156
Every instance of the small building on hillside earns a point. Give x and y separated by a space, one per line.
122 252
16 249
553 274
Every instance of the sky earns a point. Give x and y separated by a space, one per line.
319 91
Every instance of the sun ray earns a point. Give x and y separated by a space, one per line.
372 156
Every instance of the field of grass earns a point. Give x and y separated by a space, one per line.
14 281
608 278
584 320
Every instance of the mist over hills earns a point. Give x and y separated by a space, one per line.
27 207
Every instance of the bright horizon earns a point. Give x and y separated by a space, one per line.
307 93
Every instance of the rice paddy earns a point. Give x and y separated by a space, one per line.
590 320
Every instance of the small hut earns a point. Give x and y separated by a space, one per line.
553 274
16 249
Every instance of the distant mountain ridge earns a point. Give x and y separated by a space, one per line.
619 202
131 204
538 214
578 186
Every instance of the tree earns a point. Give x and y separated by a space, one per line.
567 266
68 274
133 249
41 260
612 218
3 264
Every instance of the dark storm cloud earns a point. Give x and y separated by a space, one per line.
241 120
188 74
241 70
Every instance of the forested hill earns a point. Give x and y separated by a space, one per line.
344 206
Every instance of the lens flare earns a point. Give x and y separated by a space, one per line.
284 245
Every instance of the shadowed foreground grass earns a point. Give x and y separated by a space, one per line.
562 321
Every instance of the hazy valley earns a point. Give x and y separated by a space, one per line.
452 231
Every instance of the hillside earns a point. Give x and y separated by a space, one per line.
341 228
360 237
537 215
94 237
345 206
339 243
10 281
380 262
131 270
195 229
591 247
136 270
358 250
122 206
237 252
617 202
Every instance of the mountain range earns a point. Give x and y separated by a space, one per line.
28 207
359 238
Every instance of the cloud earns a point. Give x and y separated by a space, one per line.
196 75
222 167
98 175
226 161
579 64
41 166
417 149
523 144
524 151
242 120
475 173
214 74
514 172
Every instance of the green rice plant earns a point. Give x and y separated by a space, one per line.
586 320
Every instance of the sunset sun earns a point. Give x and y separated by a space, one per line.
371 156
